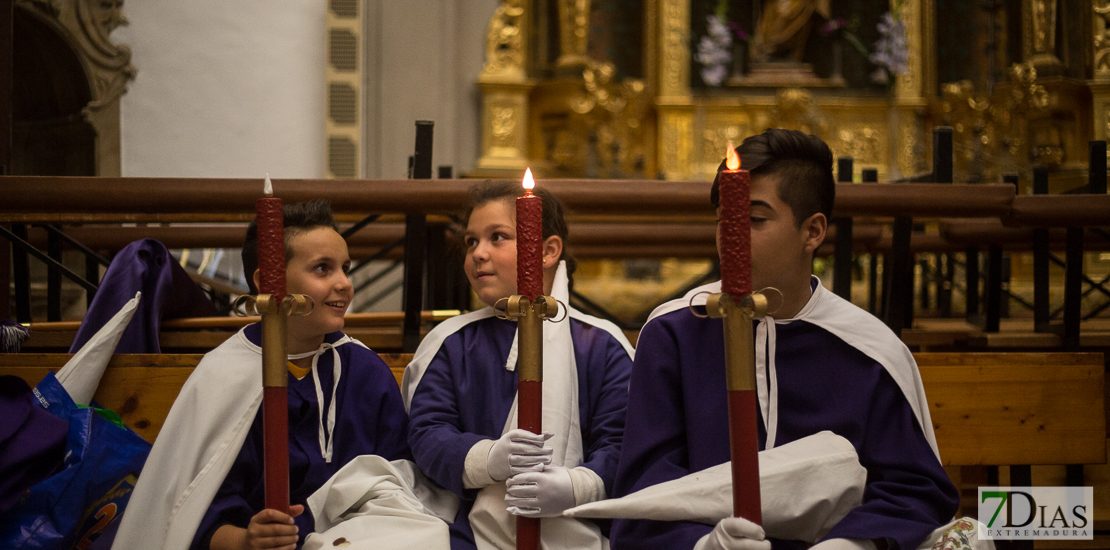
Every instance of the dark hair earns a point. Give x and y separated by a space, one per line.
554 218
298 218
802 163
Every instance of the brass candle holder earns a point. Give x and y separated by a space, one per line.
529 316
274 314
739 343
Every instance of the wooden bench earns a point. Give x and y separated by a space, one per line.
988 409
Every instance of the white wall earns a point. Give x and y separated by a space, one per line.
236 89
424 58
224 89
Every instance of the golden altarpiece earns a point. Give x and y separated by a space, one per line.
1021 82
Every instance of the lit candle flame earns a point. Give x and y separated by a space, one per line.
732 160
529 183
268 188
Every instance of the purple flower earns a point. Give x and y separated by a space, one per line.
833 25
738 31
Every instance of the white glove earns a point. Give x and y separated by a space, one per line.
517 451
540 494
734 534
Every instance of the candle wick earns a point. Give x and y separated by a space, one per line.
527 192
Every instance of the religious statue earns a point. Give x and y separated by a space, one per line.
783 28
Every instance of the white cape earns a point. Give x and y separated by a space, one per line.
372 504
493 526
196 447
807 486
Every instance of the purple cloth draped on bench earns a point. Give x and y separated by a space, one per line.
168 293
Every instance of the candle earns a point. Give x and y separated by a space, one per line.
271 243
529 241
735 228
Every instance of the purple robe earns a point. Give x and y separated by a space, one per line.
466 394
168 293
678 424
32 441
370 419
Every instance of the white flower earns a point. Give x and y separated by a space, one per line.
714 51
891 54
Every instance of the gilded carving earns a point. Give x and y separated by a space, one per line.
911 153
909 83
1044 25
1102 39
992 134
794 109
611 115
502 125
505 43
574 27
863 143
1042 20
676 133
675 77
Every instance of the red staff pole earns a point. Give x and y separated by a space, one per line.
738 306
275 397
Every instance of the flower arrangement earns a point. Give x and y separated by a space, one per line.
715 49
891 55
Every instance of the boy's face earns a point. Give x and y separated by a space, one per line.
318 268
490 263
782 252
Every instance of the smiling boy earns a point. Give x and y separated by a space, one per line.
822 364
203 484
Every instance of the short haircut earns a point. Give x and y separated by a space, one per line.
554 214
297 218
802 163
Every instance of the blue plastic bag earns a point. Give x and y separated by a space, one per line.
72 508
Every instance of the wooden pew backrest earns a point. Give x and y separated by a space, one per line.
141 388
1016 408
987 408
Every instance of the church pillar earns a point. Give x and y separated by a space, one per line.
673 102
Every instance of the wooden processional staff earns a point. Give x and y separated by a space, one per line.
274 306
529 307
737 305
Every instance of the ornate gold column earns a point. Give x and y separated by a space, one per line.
1039 28
673 102
574 33
912 88
505 90
1100 85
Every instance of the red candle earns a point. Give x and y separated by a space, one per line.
529 241
271 244
275 398
735 228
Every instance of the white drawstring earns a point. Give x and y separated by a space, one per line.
326 435
768 393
